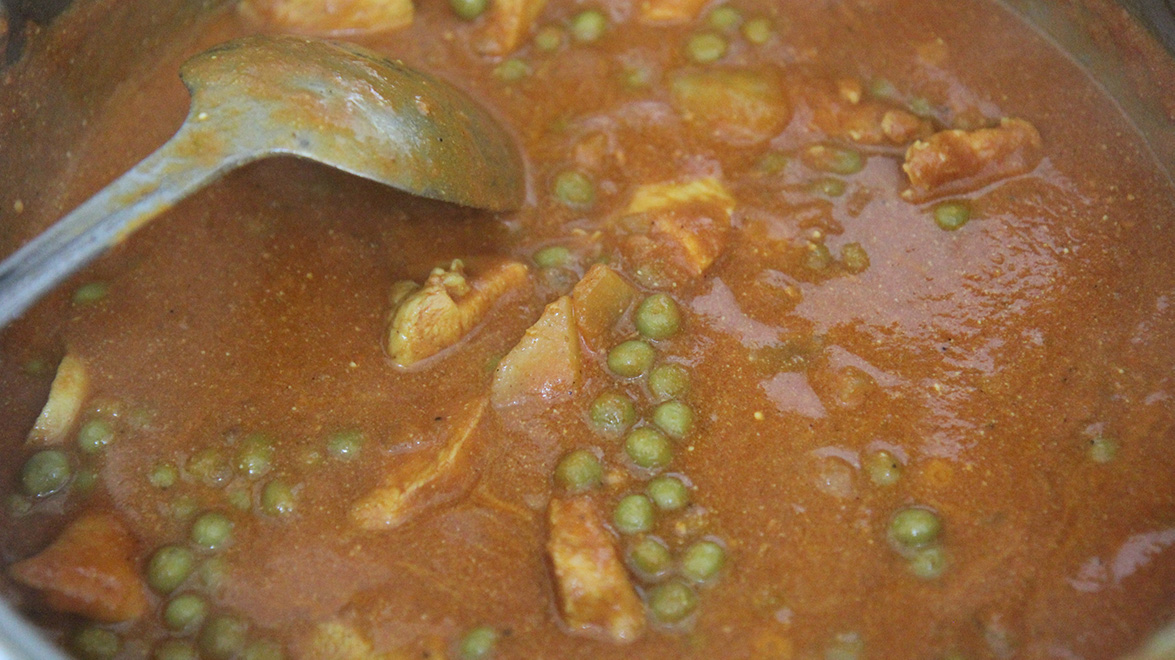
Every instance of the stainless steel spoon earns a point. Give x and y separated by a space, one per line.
260 96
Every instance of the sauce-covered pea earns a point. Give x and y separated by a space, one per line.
185 613
914 527
478 644
94 643
658 317
212 531
223 638
702 561
649 557
674 418
631 358
634 514
672 602
277 498
668 493
45 473
95 435
578 471
612 413
169 567
669 381
648 448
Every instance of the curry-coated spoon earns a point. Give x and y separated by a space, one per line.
260 96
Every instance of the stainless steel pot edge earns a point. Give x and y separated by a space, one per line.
20 640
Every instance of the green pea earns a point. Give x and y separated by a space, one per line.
212 531
817 257
884 89
702 561
239 499
90 293
612 413
588 26
773 163
649 558
1102 449
174 649
631 359
668 493
94 643
469 9
929 563
845 646
657 317
45 473
578 471
637 76
185 613
223 638
837 160
18 506
725 18
672 602
163 476
674 418
854 257
633 515
478 643
277 498
648 448
883 468
211 467
952 215
255 457
555 256
85 481
574 190
212 573
94 436
705 47
757 31
669 381
512 70
345 445
827 187
549 38
169 567
914 527
184 507
263 649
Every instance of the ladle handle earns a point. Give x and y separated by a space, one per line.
182 165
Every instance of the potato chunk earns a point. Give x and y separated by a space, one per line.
599 300
426 320
68 392
596 597
334 18
668 12
545 366
507 24
425 479
842 113
687 230
88 570
736 106
954 161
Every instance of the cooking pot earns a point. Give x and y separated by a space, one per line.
1120 44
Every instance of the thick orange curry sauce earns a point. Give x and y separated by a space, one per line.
992 357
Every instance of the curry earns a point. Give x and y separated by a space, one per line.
828 330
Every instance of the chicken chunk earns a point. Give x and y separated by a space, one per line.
595 594
955 161
89 570
668 12
545 366
839 110
599 300
739 107
507 25
426 479
427 319
333 18
68 392
687 227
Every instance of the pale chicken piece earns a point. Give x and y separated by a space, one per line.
688 224
545 366
331 18
670 12
88 570
336 640
508 23
426 319
425 479
739 107
68 392
596 597
956 161
599 299
839 110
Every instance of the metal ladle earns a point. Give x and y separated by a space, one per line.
260 96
